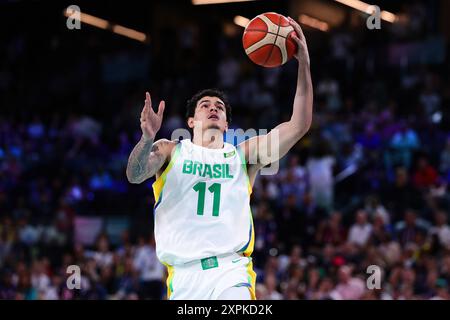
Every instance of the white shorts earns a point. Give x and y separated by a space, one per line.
208 278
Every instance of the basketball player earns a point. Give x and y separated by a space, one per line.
203 224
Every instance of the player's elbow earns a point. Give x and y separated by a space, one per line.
134 181
132 178
306 128
299 127
302 129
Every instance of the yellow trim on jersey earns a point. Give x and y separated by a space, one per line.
170 271
161 181
252 280
249 250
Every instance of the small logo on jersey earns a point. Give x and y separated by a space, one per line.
228 154
209 263
236 260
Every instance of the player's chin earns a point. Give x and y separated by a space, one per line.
214 126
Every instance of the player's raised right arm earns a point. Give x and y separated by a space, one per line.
148 157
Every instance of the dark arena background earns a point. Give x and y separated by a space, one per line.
359 209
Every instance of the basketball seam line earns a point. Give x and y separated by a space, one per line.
274 42
263 46
259 30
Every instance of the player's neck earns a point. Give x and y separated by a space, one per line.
211 141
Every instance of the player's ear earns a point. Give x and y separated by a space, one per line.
226 125
190 122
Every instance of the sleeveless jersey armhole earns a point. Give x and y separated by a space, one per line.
161 180
244 168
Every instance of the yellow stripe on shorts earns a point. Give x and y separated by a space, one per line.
251 280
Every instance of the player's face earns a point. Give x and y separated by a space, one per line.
211 112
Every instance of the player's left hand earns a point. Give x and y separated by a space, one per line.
302 54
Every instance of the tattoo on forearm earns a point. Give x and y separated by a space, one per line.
142 161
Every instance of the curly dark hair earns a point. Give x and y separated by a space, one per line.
192 103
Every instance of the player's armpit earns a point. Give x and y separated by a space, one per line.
277 143
249 150
263 150
259 152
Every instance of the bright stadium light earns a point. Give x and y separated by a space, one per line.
130 33
241 21
201 2
94 21
355 4
313 23
367 8
106 25
388 16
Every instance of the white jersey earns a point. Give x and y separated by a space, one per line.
202 205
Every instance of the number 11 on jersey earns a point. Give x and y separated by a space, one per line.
200 187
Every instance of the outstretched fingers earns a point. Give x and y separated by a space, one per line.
145 109
161 107
148 100
147 112
297 28
299 38
143 115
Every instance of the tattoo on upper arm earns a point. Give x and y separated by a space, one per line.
145 160
156 159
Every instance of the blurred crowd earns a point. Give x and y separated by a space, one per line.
367 186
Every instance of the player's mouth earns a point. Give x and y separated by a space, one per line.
214 117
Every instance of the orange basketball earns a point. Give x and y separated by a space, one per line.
267 40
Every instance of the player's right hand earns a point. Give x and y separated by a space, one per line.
302 53
151 121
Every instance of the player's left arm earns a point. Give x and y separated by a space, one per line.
283 137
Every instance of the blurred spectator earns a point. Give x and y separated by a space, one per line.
404 142
408 230
444 166
360 232
375 208
348 288
295 179
324 291
228 70
441 229
270 282
103 257
441 290
401 195
331 231
425 175
150 269
320 171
